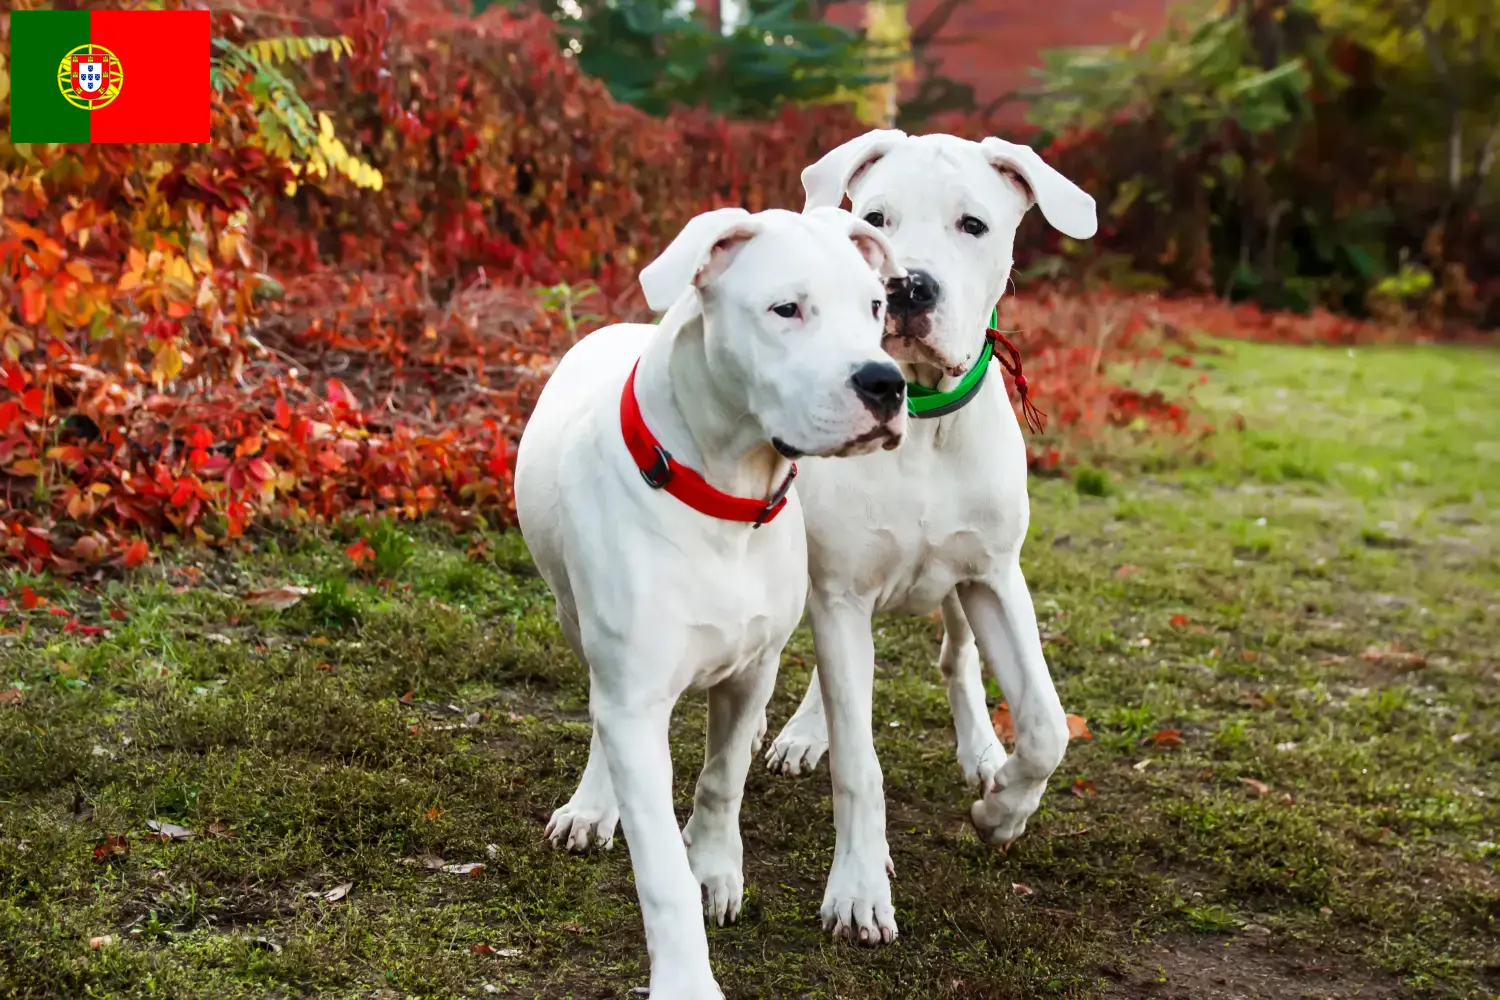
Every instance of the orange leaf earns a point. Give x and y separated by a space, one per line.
1179 621
360 552
12 696
1260 788
1078 728
434 812
1084 789
138 553
1165 739
1005 728
406 698
482 949
116 844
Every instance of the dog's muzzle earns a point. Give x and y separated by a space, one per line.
916 294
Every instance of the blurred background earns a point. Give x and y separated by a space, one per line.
282 705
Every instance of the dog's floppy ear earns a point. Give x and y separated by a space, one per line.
869 241
826 181
701 250
1065 205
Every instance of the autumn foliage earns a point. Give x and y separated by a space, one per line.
198 338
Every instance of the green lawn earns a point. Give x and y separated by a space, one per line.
1309 599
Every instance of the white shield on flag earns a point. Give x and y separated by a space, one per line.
90 77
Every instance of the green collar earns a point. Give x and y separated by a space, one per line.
922 402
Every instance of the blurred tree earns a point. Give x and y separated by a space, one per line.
659 53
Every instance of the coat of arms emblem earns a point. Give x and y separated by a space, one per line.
89 77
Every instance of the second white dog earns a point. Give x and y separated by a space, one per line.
940 522
652 488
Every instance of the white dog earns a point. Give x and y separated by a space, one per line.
940 522
653 456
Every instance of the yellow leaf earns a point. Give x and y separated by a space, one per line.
278 46
167 364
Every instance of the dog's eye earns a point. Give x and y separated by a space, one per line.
787 310
876 219
972 226
875 308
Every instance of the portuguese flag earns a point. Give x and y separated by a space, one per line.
109 76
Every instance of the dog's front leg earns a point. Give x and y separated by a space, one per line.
857 902
1000 612
633 734
592 813
980 752
736 708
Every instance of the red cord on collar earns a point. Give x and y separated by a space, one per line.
661 471
1035 418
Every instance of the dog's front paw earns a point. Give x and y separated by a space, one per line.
685 989
799 746
1000 817
580 823
716 858
761 728
857 903
982 763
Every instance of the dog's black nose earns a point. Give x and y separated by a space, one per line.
913 295
881 387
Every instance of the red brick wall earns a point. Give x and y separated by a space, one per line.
991 44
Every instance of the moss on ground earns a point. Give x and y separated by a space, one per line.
1309 602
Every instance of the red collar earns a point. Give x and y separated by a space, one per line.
661 471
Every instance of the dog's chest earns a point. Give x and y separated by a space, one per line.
906 533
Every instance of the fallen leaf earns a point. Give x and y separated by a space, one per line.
338 892
509 952
324 666
29 599
434 812
1179 621
1022 889
1393 656
472 719
1005 728
1142 764
482 949
219 830
114 845
102 941
279 598
117 614
1078 728
472 869
12 696
406 698
414 729
1125 570
1084 789
1459 737
1260 788
573 927
1165 739
168 831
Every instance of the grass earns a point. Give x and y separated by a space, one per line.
1309 600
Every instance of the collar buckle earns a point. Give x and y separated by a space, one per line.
660 471
776 499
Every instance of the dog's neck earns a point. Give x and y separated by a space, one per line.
704 423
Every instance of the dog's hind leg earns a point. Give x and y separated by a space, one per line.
804 739
592 814
980 753
735 709
1000 612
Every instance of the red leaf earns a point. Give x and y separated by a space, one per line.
1179 621
34 402
283 413
15 379
135 556
29 600
116 844
360 552
1165 739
